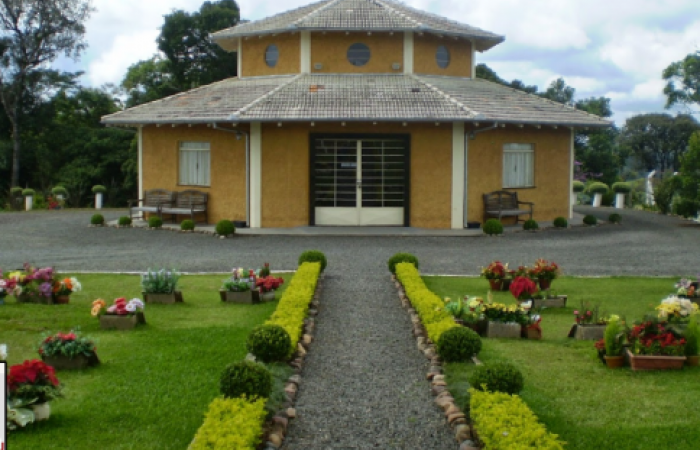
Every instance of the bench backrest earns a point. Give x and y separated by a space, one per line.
501 200
188 198
156 197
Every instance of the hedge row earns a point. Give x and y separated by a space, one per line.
232 423
294 304
505 421
430 307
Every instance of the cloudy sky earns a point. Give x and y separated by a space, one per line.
613 48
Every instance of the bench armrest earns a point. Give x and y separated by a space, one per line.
525 203
134 200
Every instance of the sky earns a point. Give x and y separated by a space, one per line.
611 48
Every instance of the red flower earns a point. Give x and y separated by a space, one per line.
522 287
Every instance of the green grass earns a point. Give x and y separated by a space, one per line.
573 394
155 382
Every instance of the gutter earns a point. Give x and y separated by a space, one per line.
238 134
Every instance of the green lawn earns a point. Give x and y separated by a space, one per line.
155 382
571 392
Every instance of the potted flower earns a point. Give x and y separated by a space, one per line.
544 272
265 271
522 288
33 383
5 288
655 346
496 273
62 289
676 310
267 286
160 286
589 324
67 351
504 321
32 285
121 315
467 312
614 339
532 329
687 289
240 288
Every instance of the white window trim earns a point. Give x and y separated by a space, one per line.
522 149
202 178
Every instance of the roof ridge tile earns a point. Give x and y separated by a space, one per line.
316 11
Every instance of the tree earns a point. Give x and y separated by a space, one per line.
683 81
34 34
486 73
597 149
149 80
690 178
559 92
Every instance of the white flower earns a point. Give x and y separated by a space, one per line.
77 287
136 302
130 307
526 305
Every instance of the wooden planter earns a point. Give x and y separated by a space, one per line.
586 332
126 322
246 298
61 299
38 299
61 362
557 302
614 362
653 362
510 330
168 299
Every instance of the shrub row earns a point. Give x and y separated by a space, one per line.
430 307
505 421
232 423
292 308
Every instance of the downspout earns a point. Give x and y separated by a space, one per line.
467 137
238 134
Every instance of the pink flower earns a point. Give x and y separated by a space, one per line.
576 312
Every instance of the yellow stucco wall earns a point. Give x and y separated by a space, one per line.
253 55
424 60
330 49
227 191
552 163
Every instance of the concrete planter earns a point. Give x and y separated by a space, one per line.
246 298
597 200
557 302
589 332
168 299
116 322
28 202
619 200
510 330
98 200
61 362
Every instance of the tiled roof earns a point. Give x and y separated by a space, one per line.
410 98
361 15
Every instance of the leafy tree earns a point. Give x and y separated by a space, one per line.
486 73
690 177
149 80
34 33
560 92
597 149
683 81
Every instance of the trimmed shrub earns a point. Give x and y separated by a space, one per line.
60 190
578 186
225 228
99 189
590 220
561 222
615 218
245 378
187 225
28 191
155 222
97 219
493 227
313 256
687 207
664 192
231 423
124 221
458 344
497 377
598 188
399 258
530 225
269 343
622 188
16 191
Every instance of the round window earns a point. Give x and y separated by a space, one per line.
358 54
272 54
443 57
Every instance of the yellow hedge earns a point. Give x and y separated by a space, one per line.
231 423
505 422
430 307
294 304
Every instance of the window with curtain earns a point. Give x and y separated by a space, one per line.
518 165
194 163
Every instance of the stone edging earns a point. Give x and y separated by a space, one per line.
457 420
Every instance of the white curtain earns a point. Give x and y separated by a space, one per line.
194 164
518 165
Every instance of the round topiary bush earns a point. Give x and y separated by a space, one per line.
615 218
124 221
530 225
99 189
561 222
269 343
578 186
155 222
245 378
60 190
399 258
28 191
313 256
458 344
493 227
187 225
97 219
590 220
497 377
16 191
225 228
598 188
621 188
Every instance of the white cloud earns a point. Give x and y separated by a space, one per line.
111 66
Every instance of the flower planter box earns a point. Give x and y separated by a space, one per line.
653 362
556 302
61 362
116 322
247 297
510 330
173 297
590 332
532 333
38 299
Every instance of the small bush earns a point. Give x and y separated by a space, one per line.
155 222
187 225
16 191
313 256
231 424
245 378
578 186
269 343
99 189
664 192
60 190
97 219
622 188
530 225
28 191
493 227
687 207
590 220
561 222
458 344
615 218
399 258
598 188
124 221
613 338
497 377
225 228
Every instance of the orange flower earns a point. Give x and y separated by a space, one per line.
68 284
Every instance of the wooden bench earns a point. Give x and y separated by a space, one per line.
501 204
153 201
190 202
